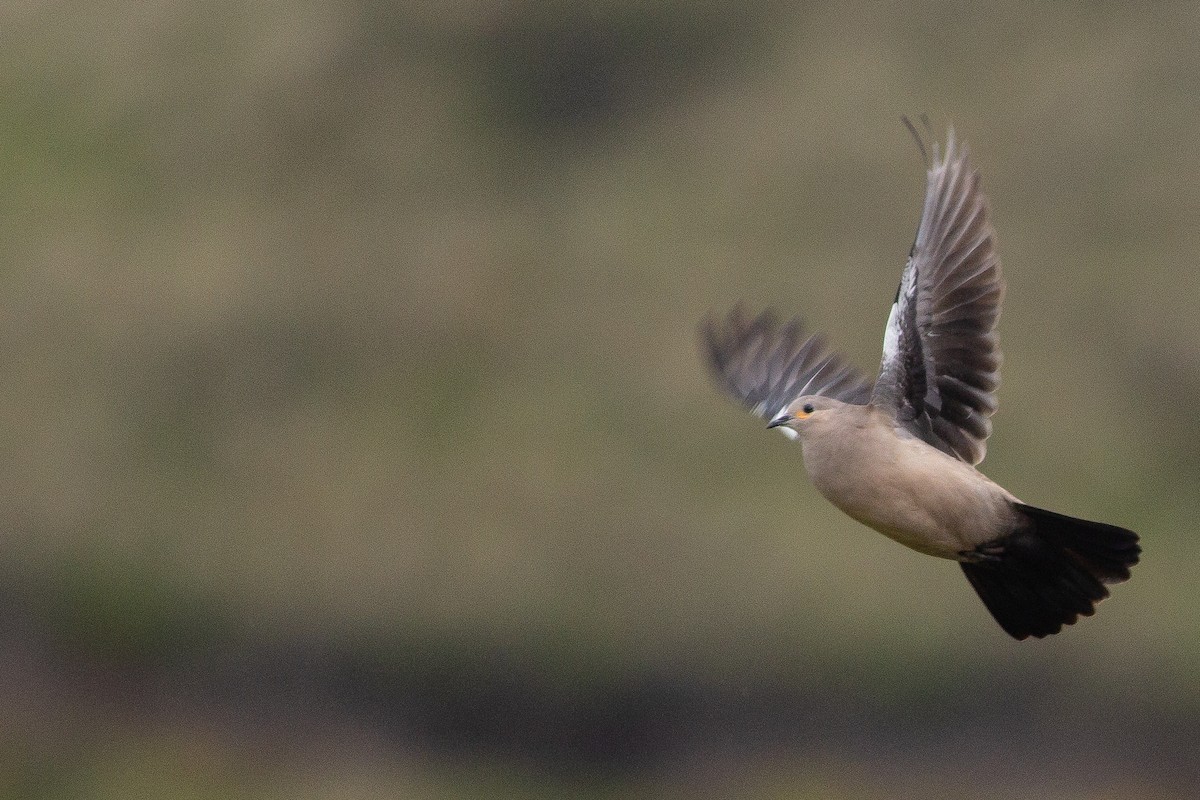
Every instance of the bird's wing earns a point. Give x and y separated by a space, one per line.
941 355
764 364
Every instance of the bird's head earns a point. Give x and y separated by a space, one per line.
803 413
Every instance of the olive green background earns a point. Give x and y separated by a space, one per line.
357 445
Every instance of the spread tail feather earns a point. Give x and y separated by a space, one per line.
1050 571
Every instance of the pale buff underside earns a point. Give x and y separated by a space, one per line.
899 485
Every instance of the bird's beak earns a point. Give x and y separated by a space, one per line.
781 420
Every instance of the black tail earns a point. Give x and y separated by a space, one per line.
1049 572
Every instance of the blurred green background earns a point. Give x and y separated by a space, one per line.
358 445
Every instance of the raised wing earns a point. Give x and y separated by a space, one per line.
941 355
764 364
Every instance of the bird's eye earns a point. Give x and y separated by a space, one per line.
808 408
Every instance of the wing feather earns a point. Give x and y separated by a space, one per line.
941 359
764 364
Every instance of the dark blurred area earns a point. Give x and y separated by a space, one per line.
359 447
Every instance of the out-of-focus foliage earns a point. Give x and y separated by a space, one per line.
358 446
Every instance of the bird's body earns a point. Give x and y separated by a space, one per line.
915 494
899 455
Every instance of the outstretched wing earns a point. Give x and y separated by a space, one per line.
941 355
764 364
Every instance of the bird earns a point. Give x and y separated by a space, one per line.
900 454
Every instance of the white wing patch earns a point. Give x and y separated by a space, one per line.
891 334
906 296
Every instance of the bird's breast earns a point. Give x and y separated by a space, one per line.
909 491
